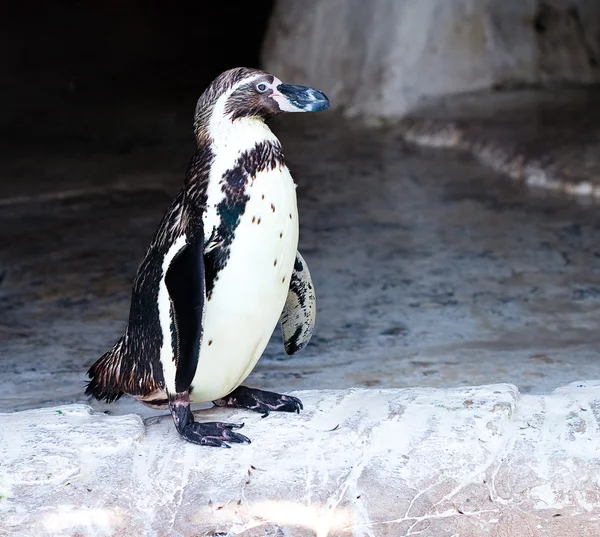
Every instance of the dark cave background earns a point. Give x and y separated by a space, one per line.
85 71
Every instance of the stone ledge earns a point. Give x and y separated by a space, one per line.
548 139
467 461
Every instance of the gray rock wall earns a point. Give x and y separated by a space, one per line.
384 57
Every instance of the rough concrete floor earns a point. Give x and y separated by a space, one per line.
430 270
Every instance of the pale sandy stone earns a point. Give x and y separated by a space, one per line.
355 462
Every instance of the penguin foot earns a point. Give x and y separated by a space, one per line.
213 434
260 401
204 434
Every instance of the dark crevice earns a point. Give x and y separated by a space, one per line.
62 59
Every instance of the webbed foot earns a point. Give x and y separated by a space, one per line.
204 434
213 434
260 401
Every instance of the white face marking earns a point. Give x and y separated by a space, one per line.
282 101
218 113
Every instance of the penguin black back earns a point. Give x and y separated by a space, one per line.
132 366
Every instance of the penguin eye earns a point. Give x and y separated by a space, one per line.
262 87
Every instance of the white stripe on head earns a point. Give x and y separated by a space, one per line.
218 116
282 102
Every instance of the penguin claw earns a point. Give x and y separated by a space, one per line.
224 425
214 434
213 442
295 401
261 401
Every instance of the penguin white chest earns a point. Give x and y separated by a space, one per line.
250 291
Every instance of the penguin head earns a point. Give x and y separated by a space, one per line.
251 93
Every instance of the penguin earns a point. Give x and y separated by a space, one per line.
222 269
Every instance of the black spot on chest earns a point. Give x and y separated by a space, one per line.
262 157
234 203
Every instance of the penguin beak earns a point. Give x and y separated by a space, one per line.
292 98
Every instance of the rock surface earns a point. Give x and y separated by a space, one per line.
545 139
468 461
381 59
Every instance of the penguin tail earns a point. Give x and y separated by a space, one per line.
105 376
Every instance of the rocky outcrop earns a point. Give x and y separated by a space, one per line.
468 462
384 58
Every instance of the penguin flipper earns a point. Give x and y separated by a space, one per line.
300 310
185 282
